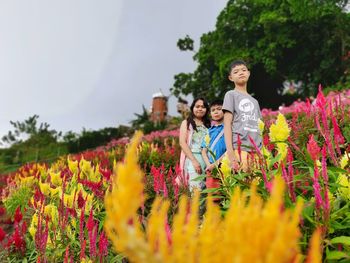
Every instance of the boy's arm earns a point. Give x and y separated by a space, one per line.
228 118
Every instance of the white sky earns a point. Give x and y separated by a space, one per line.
93 63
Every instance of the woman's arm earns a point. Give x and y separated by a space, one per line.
185 147
205 157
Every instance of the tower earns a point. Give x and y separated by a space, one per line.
159 110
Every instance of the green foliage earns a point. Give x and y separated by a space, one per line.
18 198
142 122
91 139
284 39
33 142
185 44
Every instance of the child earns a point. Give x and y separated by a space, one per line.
214 147
241 115
192 132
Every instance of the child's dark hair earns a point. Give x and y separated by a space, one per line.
206 120
217 102
237 63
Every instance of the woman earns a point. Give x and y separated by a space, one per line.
192 132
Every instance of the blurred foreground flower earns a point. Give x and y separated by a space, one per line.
251 231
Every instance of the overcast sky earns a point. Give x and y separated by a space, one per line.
93 63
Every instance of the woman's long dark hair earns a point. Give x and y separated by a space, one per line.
206 120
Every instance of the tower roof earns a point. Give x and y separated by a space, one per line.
158 95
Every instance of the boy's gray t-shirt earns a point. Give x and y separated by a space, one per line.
246 113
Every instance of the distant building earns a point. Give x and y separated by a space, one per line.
183 108
159 109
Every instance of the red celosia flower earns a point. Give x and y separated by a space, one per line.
82 251
66 255
80 200
103 246
106 173
2 234
239 143
2 210
19 241
96 188
313 148
18 215
92 231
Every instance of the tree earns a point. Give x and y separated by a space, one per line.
281 40
141 119
143 122
30 128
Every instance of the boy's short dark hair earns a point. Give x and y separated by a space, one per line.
237 63
217 102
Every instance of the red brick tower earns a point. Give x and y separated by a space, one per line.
159 110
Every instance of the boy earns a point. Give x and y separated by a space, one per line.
214 148
241 115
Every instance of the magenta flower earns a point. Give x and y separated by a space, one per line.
313 148
317 189
326 205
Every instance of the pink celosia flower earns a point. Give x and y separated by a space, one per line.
267 183
313 148
326 204
317 190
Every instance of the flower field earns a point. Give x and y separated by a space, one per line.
121 201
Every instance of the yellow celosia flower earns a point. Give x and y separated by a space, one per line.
249 232
261 126
279 131
315 253
27 181
89 203
85 167
33 225
44 188
72 165
95 176
68 200
73 221
282 149
344 186
56 178
344 160
84 260
70 233
52 211
55 191
124 201
225 166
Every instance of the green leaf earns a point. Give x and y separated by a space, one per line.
336 255
342 240
209 190
199 178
